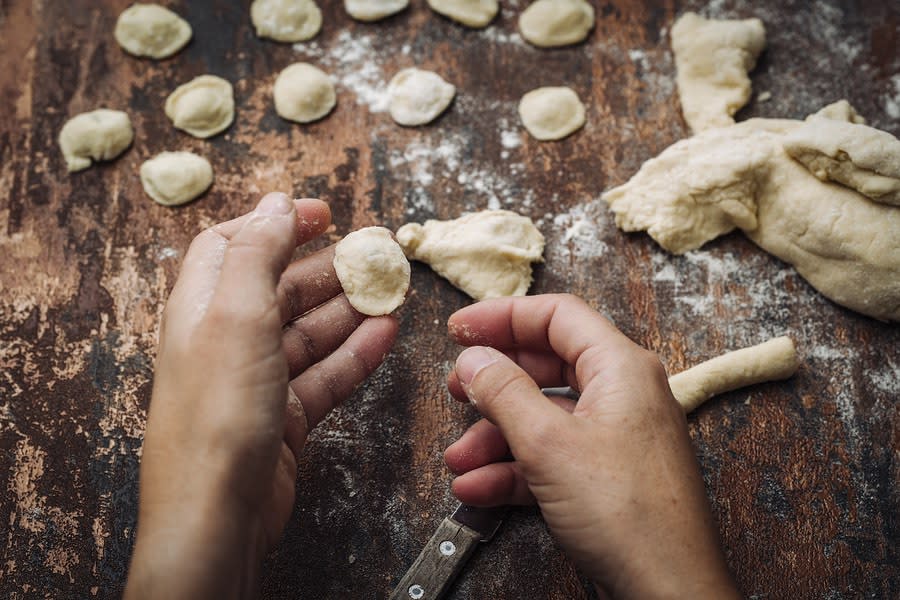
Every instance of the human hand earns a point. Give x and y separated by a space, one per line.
614 473
253 354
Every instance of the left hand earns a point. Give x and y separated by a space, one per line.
253 354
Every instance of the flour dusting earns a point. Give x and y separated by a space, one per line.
354 64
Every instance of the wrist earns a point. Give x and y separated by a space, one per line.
195 550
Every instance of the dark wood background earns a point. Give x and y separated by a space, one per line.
803 475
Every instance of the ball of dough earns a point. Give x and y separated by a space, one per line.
97 135
372 270
151 30
203 107
286 20
553 23
417 97
373 10
551 113
474 13
303 93
173 178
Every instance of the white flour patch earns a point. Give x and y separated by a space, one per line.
577 232
656 70
353 63
497 36
166 253
887 379
510 139
434 162
892 99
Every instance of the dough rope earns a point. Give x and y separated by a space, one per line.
773 360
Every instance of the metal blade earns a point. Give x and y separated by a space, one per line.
486 521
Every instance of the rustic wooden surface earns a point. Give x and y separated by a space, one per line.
803 475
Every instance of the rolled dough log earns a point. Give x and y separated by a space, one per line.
770 361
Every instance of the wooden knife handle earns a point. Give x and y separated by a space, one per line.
438 564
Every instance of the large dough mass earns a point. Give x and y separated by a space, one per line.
861 157
843 243
486 254
712 58
372 270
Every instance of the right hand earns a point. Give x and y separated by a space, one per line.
614 473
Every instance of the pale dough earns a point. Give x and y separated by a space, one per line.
486 254
173 178
373 10
151 30
286 20
861 157
101 134
712 58
773 360
473 13
417 97
202 107
551 113
839 111
303 93
554 23
372 270
845 245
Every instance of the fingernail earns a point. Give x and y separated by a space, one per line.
274 204
473 360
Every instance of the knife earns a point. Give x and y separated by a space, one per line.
442 558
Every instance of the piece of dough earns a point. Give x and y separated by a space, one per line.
473 13
202 107
173 178
486 254
417 97
551 113
713 58
286 20
303 93
372 270
860 157
845 245
373 10
554 23
101 134
839 111
770 361
151 30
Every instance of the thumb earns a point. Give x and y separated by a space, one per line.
508 397
257 255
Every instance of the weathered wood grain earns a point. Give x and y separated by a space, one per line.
802 474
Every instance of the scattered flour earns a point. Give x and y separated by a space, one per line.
577 232
892 99
353 62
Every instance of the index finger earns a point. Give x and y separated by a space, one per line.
559 323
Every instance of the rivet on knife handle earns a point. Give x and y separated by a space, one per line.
438 564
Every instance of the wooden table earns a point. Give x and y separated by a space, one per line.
803 475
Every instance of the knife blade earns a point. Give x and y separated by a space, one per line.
448 550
